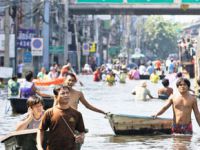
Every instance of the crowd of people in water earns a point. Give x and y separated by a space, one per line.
66 98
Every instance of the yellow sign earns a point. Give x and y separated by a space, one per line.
93 47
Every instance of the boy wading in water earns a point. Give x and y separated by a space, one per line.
182 103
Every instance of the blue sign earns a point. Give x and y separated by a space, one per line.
27 57
37 43
24 38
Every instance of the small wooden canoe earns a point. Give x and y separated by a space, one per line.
25 140
139 125
19 104
22 140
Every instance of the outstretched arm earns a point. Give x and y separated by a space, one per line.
40 93
89 106
164 108
196 112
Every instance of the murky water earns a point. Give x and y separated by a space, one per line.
118 100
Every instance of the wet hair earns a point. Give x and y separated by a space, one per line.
14 77
57 89
29 75
186 81
33 100
179 74
165 82
72 75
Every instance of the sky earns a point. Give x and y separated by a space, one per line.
182 18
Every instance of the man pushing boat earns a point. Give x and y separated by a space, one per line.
182 103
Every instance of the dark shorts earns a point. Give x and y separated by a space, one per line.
182 129
163 96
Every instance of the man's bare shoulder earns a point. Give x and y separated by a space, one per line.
173 97
76 91
192 97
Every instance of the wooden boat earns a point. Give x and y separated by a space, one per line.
22 140
25 140
147 77
19 104
139 125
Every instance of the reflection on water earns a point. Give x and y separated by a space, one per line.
181 142
117 100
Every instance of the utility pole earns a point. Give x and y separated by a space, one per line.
128 23
46 34
37 59
13 14
7 38
77 45
96 27
66 18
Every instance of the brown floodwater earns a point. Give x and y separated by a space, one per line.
116 99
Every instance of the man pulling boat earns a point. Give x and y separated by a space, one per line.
182 103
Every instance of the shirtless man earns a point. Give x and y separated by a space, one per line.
166 91
76 96
182 103
141 92
68 69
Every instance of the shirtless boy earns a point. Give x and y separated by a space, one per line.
182 103
76 96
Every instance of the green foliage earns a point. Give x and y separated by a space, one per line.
160 36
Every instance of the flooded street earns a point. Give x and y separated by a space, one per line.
117 100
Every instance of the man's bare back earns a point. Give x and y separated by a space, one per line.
168 91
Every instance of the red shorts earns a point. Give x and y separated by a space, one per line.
182 128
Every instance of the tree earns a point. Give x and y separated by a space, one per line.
160 36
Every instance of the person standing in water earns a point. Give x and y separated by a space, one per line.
182 104
62 121
166 91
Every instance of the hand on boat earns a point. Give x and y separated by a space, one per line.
154 116
107 115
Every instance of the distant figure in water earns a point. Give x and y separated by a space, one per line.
166 91
182 104
110 78
154 77
28 88
141 92
13 86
